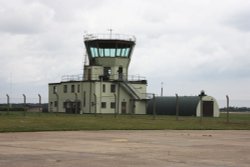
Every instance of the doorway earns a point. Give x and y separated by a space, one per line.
120 73
124 107
208 108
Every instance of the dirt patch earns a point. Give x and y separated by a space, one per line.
125 148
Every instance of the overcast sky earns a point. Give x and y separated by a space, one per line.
189 45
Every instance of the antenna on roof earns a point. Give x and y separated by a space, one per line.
161 88
110 32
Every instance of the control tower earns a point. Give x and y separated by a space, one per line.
111 53
105 86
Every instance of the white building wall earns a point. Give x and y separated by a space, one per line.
91 95
216 111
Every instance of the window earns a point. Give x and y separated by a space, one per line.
55 104
103 104
54 89
78 88
107 52
65 88
94 52
107 71
84 99
103 88
118 52
72 88
112 88
64 104
112 105
101 52
112 52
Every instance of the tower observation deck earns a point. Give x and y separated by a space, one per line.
112 52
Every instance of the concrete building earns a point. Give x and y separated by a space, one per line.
105 86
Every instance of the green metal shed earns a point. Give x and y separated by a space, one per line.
188 106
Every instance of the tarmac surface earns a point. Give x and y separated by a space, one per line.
126 148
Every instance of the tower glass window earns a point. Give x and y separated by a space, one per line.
101 52
94 52
118 52
111 49
112 52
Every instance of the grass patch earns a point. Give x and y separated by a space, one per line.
17 122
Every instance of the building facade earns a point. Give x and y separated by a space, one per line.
105 86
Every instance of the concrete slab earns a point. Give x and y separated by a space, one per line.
125 148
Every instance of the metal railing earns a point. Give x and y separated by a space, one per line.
89 37
80 77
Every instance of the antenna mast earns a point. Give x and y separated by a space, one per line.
110 32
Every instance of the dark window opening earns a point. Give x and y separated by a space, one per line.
78 88
84 98
72 88
103 88
107 73
112 105
65 88
112 88
104 105
55 103
120 72
54 89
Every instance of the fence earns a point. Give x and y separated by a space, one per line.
22 103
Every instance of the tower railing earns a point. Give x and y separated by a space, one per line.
89 37
66 78
86 77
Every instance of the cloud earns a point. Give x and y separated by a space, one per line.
188 45
23 18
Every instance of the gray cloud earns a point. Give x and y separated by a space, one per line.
240 21
24 18
189 47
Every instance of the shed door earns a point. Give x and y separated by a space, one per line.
208 108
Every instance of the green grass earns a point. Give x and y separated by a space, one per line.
17 122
